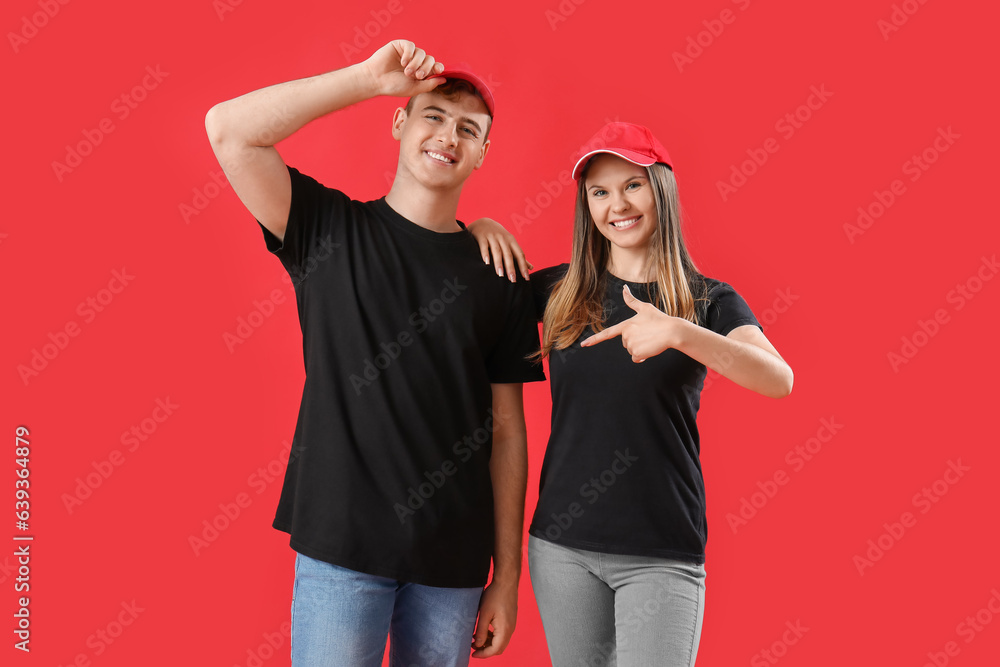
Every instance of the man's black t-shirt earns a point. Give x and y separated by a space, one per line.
403 330
621 472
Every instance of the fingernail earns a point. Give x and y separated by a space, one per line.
511 276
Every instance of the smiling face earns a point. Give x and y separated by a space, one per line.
621 201
442 139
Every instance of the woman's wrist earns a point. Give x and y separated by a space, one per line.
678 332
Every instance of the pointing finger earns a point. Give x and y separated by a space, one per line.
608 333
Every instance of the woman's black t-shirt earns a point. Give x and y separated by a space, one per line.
621 472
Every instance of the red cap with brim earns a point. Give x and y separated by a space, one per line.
465 73
628 141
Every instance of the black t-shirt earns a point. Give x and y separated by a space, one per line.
621 472
403 330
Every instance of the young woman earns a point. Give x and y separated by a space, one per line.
617 544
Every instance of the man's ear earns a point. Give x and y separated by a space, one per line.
482 155
398 119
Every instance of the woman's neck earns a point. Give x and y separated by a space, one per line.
629 264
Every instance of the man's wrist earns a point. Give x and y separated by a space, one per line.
506 577
366 80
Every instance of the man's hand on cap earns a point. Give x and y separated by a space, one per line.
401 69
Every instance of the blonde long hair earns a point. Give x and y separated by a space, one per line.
577 300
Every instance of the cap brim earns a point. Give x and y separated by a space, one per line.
631 156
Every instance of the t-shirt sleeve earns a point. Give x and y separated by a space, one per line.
312 221
542 282
508 362
727 310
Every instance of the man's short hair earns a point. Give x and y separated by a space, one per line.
451 90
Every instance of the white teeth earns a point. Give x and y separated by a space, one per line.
439 157
623 223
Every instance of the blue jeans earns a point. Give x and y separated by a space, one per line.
342 617
607 610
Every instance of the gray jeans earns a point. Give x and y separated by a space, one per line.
609 610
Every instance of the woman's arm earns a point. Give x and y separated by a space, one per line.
745 356
494 240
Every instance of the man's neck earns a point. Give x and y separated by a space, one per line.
435 210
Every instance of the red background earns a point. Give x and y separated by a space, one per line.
560 70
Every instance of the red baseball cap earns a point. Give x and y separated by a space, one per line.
464 72
632 142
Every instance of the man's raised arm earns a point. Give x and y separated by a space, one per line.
244 130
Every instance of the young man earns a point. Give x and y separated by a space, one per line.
412 448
